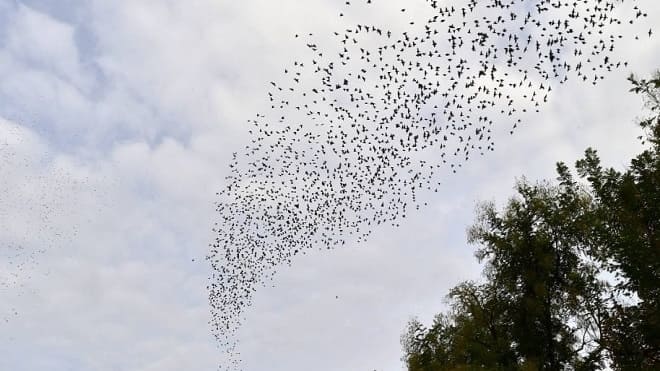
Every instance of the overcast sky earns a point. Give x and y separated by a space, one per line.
117 123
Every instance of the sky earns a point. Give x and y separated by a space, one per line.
118 120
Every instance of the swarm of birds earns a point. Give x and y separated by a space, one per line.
357 134
36 195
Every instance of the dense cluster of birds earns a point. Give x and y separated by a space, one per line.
358 130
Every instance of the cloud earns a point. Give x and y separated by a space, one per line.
44 43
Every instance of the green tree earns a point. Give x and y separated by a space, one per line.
543 306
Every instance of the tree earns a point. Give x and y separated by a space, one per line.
627 240
537 286
543 306
532 252
472 337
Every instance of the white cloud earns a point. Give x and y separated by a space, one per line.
44 43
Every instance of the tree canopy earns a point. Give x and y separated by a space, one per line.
571 273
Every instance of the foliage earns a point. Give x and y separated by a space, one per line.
544 305
627 240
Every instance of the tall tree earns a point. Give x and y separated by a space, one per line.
533 253
626 240
539 288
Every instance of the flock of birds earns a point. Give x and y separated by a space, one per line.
357 131
35 196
